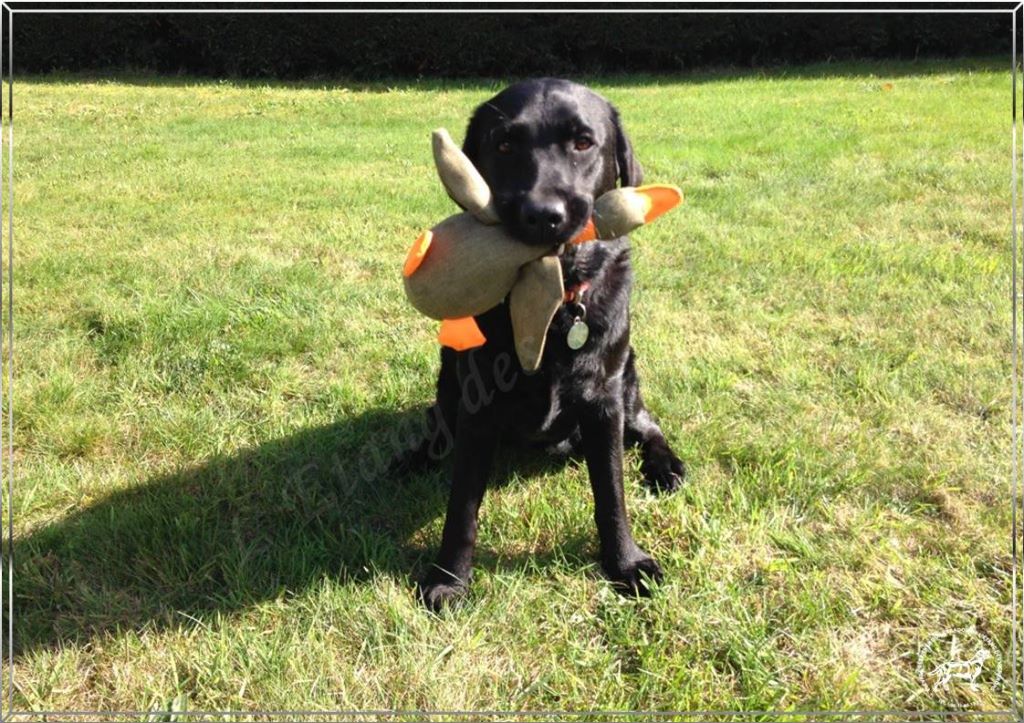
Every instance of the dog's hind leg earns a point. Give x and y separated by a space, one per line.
663 471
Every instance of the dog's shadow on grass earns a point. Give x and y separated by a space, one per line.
232 532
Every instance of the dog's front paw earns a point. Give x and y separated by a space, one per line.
440 590
663 472
634 574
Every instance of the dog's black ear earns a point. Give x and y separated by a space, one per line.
473 142
628 167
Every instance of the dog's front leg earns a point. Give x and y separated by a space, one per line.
475 441
601 424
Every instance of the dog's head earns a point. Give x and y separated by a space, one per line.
548 148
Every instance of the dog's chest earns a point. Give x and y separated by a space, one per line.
545 411
546 402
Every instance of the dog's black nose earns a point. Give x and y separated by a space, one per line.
544 218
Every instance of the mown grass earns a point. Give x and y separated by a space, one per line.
209 323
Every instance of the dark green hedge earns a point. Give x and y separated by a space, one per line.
374 46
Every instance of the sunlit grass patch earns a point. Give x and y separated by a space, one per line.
210 325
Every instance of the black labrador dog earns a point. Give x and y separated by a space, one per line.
548 148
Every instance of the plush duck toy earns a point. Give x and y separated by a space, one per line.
469 263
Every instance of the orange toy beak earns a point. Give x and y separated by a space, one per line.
659 199
416 254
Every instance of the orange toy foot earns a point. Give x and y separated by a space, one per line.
460 334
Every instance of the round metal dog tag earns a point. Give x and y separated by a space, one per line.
578 334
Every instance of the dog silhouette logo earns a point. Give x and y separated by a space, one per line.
960 657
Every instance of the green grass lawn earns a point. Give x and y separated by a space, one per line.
209 323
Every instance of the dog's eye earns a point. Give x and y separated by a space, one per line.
583 144
504 147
